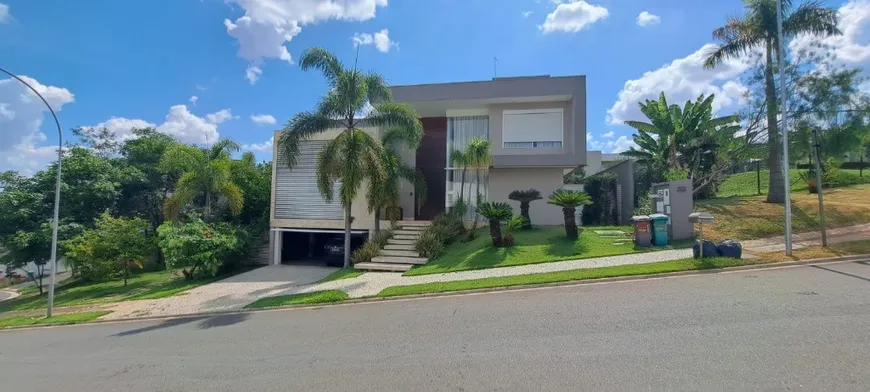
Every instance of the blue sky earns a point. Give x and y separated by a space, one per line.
135 62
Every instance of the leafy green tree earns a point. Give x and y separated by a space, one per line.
757 29
205 173
143 195
459 159
354 156
479 158
255 182
525 198
569 201
495 213
384 194
111 249
197 245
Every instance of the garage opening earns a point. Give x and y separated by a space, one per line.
318 247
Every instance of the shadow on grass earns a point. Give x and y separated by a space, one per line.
206 322
565 247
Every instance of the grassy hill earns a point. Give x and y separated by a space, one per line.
745 184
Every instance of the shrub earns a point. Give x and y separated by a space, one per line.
602 189
447 227
429 245
365 253
495 213
569 201
644 205
525 198
513 225
111 249
197 245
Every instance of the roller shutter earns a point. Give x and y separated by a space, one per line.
296 194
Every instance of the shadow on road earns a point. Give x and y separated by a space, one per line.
206 322
842 273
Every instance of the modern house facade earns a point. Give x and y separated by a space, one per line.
536 127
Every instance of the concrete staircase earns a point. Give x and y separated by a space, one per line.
399 254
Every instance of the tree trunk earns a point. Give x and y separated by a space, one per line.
207 213
524 212
570 222
377 220
347 236
476 199
495 232
776 188
462 184
126 271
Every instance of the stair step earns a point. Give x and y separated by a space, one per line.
383 267
393 241
399 247
413 223
415 233
406 237
399 260
413 228
400 253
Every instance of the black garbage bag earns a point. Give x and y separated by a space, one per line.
729 248
709 249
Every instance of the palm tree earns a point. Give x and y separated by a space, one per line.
460 159
385 194
354 156
204 172
479 158
569 201
525 198
496 213
758 30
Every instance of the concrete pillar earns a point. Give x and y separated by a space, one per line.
277 247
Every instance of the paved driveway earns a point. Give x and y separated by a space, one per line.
229 294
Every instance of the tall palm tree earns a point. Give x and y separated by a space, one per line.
757 29
385 194
479 158
459 159
354 156
203 172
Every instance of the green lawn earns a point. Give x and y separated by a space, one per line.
148 285
344 273
61 319
541 245
317 297
746 184
562 276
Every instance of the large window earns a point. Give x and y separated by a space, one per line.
535 128
460 132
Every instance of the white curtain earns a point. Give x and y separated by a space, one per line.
460 132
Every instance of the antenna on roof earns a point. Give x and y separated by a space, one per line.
494 67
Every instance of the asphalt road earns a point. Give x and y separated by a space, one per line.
796 328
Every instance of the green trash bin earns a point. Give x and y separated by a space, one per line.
660 229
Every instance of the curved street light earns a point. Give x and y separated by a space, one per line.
56 192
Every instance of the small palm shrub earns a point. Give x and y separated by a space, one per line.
525 198
429 245
569 201
517 223
495 213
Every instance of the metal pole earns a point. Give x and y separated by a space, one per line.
758 175
818 153
783 95
53 261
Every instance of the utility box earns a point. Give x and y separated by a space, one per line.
674 199
642 230
660 229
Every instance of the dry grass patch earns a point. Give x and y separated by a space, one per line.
818 252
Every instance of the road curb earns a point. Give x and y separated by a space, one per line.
12 294
570 283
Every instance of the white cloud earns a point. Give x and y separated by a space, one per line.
621 144
609 135
5 15
268 25
123 127
526 14
200 87
21 118
189 128
646 19
259 147
852 48
252 73
263 119
682 80
193 99
220 116
573 17
380 39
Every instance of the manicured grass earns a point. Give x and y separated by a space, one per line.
540 245
745 184
148 285
751 217
562 276
344 273
61 319
316 297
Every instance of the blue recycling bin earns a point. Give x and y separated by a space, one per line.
660 229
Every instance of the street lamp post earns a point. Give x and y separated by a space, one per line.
785 168
54 222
